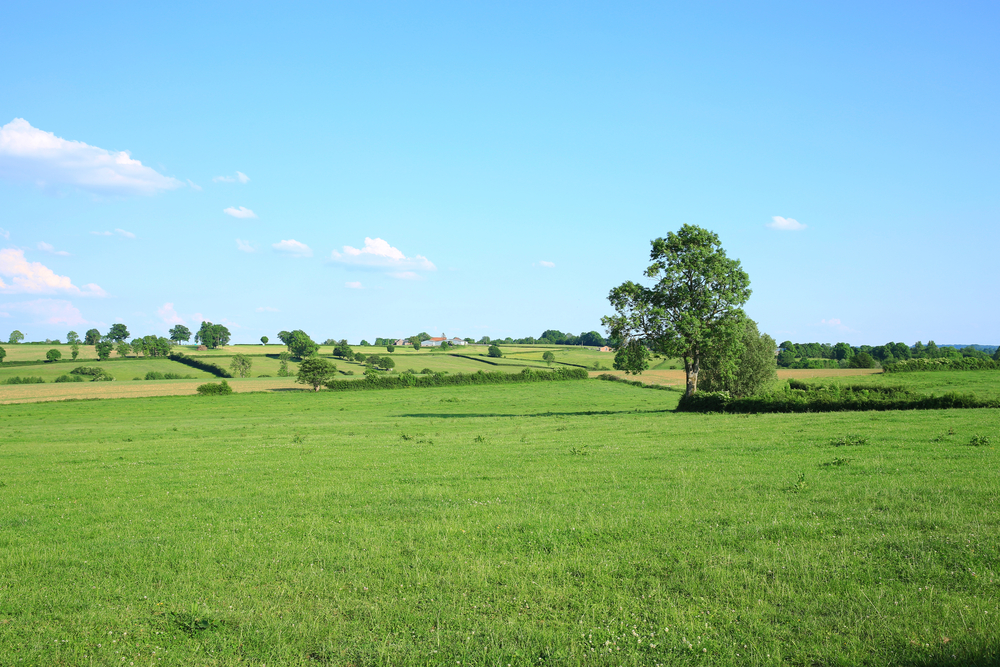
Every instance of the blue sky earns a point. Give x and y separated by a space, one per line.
477 170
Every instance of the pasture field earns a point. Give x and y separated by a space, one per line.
122 370
550 523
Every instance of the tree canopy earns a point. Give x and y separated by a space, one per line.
315 372
212 335
15 337
180 333
694 305
72 337
743 365
92 337
118 332
299 343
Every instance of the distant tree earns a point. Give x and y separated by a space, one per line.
494 351
842 351
263 340
343 350
996 355
743 365
787 345
861 360
283 363
387 363
373 360
423 335
360 357
92 337
548 357
72 337
786 358
415 342
632 357
15 337
3 353
212 335
554 335
180 334
117 333
53 355
123 349
390 348
485 340
104 349
591 339
241 365
315 372
74 350
138 346
469 340
300 345
444 345
364 343
156 346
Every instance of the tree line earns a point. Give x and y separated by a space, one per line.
811 355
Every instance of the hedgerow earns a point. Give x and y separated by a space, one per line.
802 397
945 364
214 369
406 380
24 380
608 377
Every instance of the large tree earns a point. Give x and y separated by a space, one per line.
73 337
300 344
694 305
92 337
212 335
315 372
118 332
241 365
179 334
15 337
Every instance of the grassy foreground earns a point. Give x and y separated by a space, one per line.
566 523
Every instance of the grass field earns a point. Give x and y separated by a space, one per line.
564 523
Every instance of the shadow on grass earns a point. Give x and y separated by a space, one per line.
582 413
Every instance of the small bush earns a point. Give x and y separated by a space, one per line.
154 375
68 378
87 370
103 376
215 388
980 441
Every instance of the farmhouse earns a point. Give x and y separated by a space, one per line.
436 342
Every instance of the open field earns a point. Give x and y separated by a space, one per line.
565 523
122 370
37 393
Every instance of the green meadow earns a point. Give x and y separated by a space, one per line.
578 522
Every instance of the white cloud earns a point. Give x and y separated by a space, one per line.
39 157
354 285
194 186
293 247
102 233
230 324
245 246
240 212
47 247
547 265
267 309
240 176
169 315
834 322
47 311
128 235
378 254
785 224
35 278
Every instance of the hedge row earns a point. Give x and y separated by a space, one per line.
214 369
801 397
635 383
405 380
962 364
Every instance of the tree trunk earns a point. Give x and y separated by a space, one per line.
691 368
